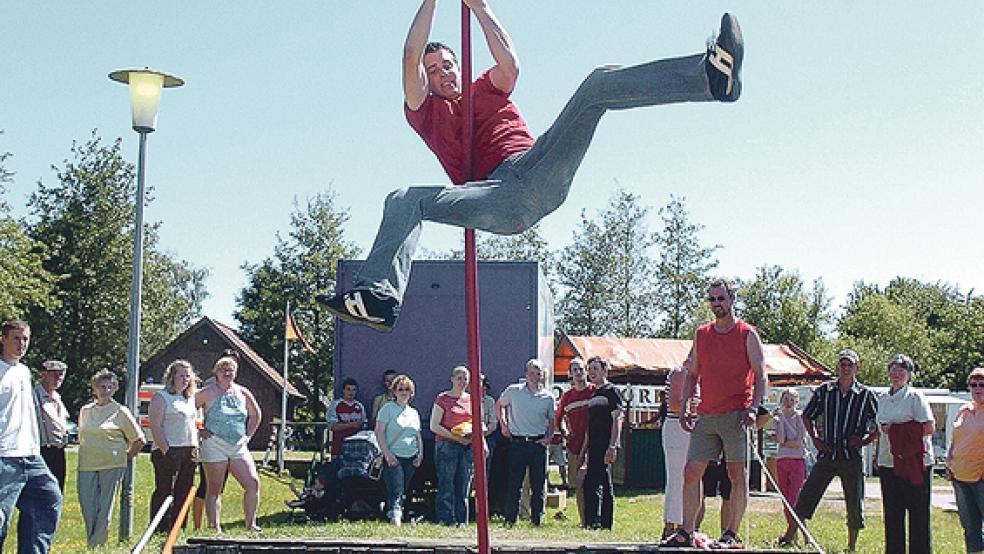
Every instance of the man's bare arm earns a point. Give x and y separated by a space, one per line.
690 381
506 69
756 359
414 74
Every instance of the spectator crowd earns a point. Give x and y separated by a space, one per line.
711 404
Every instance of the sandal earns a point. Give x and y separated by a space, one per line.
679 539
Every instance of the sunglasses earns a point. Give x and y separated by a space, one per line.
718 298
403 390
976 385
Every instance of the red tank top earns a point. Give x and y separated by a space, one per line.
499 130
726 378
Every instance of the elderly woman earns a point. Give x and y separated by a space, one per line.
109 437
905 458
451 423
172 426
965 463
398 435
231 418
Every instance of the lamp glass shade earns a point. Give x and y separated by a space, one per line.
145 96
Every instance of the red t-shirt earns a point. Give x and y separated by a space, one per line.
577 418
499 130
345 412
726 378
456 410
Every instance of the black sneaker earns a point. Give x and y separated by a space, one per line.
723 63
729 541
363 306
679 539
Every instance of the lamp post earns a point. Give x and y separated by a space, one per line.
145 94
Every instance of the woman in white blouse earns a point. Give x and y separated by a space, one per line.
905 458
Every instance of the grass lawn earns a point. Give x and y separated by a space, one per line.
638 519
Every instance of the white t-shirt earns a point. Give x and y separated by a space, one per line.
907 404
18 420
180 414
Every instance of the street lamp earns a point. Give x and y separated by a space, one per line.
145 94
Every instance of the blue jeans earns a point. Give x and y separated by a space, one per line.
453 463
28 484
397 480
970 504
527 186
523 455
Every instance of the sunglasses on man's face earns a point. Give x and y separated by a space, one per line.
976 385
717 298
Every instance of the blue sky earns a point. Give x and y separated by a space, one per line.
855 152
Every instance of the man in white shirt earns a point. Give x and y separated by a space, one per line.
526 413
25 480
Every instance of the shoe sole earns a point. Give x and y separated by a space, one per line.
734 45
737 52
345 316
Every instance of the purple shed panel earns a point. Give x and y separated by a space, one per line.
429 339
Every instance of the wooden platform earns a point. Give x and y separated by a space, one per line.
200 545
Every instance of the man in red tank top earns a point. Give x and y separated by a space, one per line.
513 179
727 363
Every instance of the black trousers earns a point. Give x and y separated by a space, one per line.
54 457
174 474
525 456
900 497
599 498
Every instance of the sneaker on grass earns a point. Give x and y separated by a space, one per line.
729 541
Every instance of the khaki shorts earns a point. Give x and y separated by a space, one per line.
217 449
571 468
716 433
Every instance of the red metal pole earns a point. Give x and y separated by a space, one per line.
471 300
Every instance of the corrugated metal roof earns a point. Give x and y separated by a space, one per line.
641 356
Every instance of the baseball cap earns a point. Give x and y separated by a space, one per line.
850 355
904 361
54 365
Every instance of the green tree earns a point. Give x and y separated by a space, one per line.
302 264
683 271
583 309
526 246
778 303
86 222
607 274
936 324
26 282
633 276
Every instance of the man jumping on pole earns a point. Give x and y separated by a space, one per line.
521 179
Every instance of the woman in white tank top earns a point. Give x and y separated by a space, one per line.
173 427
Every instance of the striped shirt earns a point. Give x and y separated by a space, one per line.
838 416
